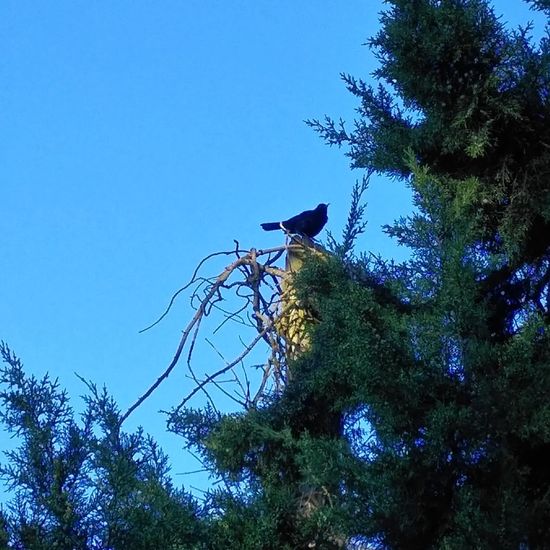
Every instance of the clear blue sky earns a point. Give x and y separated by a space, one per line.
137 137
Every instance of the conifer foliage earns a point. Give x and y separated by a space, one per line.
457 397
420 416
82 484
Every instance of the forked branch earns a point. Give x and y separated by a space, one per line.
259 285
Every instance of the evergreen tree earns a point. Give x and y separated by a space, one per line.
420 418
84 485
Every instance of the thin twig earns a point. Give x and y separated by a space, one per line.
223 370
191 281
249 290
198 315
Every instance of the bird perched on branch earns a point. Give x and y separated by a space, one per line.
308 223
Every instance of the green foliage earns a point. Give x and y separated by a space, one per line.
419 417
241 523
470 102
355 224
84 484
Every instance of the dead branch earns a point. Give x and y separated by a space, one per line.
223 370
196 318
208 292
191 281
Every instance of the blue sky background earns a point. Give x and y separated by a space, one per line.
138 137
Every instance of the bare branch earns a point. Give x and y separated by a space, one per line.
223 370
191 281
261 311
196 318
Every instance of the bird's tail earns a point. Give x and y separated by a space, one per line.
271 226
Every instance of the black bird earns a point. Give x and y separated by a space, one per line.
308 223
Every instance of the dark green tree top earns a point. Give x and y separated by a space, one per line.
420 418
